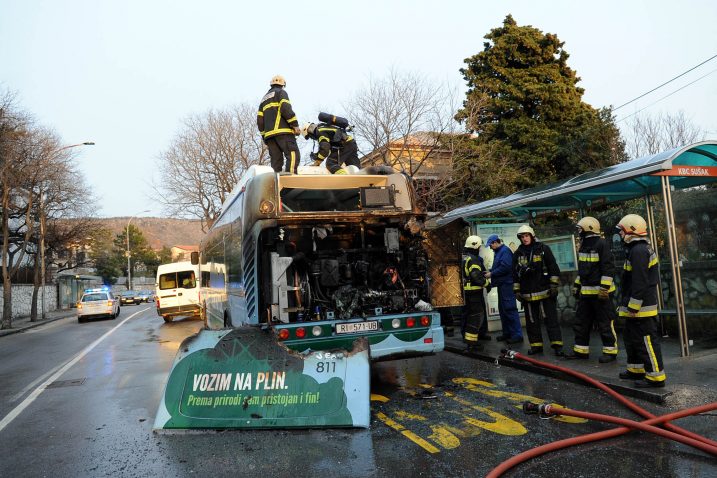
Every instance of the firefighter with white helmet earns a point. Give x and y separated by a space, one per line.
638 305
474 281
594 289
536 277
278 127
336 146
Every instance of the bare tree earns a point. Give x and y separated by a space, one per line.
205 161
401 110
647 135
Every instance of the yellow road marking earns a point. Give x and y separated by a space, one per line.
443 436
407 433
378 398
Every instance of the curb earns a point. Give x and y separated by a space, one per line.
643 394
31 325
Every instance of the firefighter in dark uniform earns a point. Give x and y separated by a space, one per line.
536 277
594 289
638 305
278 125
474 281
335 146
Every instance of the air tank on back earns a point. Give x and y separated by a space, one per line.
334 120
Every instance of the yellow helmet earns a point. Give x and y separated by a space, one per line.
632 225
473 242
589 224
277 80
525 228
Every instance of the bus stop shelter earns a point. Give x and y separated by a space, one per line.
657 175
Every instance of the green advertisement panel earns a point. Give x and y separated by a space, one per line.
244 378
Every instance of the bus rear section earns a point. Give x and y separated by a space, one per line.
346 259
177 290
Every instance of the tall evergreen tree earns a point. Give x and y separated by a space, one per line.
526 109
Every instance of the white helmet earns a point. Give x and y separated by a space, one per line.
589 224
525 228
277 80
306 129
633 226
473 242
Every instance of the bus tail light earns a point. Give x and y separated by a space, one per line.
283 334
266 207
410 322
425 321
428 341
396 323
300 333
316 330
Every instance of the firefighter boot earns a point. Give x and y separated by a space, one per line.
535 350
649 384
627 375
575 356
607 358
558 351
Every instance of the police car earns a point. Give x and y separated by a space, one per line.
97 303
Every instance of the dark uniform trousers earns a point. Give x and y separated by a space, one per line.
347 153
475 314
592 310
284 152
546 310
642 344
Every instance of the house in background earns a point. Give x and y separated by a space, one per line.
183 253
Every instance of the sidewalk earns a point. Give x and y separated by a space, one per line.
21 324
691 380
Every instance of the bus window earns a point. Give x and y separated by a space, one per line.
168 281
186 280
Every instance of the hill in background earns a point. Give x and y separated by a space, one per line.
159 232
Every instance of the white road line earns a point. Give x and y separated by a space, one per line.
34 382
36 393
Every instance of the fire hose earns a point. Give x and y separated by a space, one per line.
673 432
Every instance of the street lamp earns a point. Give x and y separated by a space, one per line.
129 270
42 225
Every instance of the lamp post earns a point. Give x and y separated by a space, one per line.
42 225
129 270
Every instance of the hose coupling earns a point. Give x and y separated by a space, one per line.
507 353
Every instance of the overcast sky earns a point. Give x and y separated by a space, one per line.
125 73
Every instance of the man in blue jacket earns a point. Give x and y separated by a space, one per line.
501 277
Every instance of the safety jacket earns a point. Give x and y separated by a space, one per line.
534 271
473 272
329 137
639 281
596 268
275 115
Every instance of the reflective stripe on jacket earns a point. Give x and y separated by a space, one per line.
329 137
535 270
639 281
596 268
473 269
275 115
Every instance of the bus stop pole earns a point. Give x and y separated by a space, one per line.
650 214
675 264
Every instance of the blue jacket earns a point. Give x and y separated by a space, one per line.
502 271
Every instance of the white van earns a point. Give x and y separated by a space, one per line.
177 291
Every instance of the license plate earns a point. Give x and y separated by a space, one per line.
354 327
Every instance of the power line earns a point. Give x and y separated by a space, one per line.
666 96
665 83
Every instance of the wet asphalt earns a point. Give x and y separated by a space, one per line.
446 415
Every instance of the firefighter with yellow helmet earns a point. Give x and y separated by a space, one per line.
638 305
474 281
336 146
594 289
278 127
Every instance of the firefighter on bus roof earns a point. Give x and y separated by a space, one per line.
336 146
278 125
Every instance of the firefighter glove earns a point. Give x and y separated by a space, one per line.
297 131
576 291
603 294
519 297
315 158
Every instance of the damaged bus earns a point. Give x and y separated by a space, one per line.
323 259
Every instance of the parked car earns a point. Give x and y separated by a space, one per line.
130 297
96 303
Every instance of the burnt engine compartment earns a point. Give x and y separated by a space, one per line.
340 271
